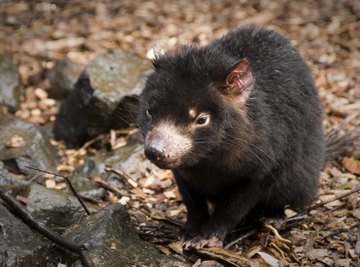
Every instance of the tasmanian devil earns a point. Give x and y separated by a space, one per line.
239 124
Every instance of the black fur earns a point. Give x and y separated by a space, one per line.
256 158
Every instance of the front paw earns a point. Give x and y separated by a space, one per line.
213 229
202 242
189 231
209 236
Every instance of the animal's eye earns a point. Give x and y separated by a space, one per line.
202 120
148 113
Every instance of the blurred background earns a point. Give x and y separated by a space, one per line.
326 32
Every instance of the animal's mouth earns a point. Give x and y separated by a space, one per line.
168 165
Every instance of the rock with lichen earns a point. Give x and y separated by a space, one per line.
104 97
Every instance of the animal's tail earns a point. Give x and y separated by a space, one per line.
340 143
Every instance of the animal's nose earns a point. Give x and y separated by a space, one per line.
155 153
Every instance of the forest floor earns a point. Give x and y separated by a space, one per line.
327 34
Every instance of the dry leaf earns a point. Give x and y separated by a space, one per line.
227 256
335 172
269 259
317 254
41 93
328 261
50 183
173 213
209 264
253 251
343 262
15 141
60 186
124 200
356 214
290 213
177 247
351 165
164 250
170 194
333 204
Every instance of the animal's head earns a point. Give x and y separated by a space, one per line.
186 112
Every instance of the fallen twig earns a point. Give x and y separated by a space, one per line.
123 175
276 233
292 221
29 220
107 186
69 184
241 238
227 257
357 189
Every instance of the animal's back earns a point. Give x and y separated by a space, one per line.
287 113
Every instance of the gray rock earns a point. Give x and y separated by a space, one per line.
112 241
62 78
104 98
19 245
82 177
55 208
7 178
24 143
83 182
22 246
129 159
10 85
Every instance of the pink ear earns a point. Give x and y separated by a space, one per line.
240 81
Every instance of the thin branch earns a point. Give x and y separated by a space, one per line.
276 233
292 221
357 189
122 175
242 237
107 186
41 228
69 184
